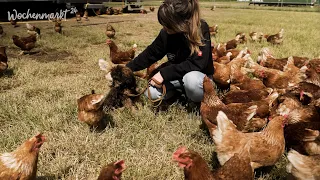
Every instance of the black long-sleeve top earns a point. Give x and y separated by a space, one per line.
176 44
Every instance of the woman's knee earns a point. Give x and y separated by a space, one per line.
193 85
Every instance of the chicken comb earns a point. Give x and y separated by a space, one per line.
179 151
120 167
120 162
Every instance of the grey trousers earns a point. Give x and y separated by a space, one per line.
192 83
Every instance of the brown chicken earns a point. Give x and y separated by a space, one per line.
33 30
110 31
303 167
235 52
151 8
246 96
120 57
112 171
313 72
224 59
312 141
316 64
85 15
256 36
222 72
240 113
219 51
90 110
265 147
307 92
143 11
296 111
14 23
243 38
22 162
255 125
58 27
232 44
240 80
303 137
275 38
24 43
116 11
279 79
196 168
213 30
3 59
266 59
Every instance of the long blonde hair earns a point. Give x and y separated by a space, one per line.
183 16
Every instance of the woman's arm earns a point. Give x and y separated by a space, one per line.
197 62
153 53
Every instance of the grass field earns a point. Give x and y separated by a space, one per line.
38 93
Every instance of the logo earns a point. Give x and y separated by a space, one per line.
28 15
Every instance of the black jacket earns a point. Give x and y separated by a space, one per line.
177 46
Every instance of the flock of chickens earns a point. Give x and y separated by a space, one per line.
272 105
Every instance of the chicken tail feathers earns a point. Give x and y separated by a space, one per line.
298 162
223 122
251 111
272 97
310 135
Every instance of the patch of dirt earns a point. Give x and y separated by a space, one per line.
7 73
40 54
50 55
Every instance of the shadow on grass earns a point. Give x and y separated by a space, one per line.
263 170
48 55
7 73
106 122
214 162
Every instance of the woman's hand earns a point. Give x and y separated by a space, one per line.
157 80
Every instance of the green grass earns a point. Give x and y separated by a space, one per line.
39 93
